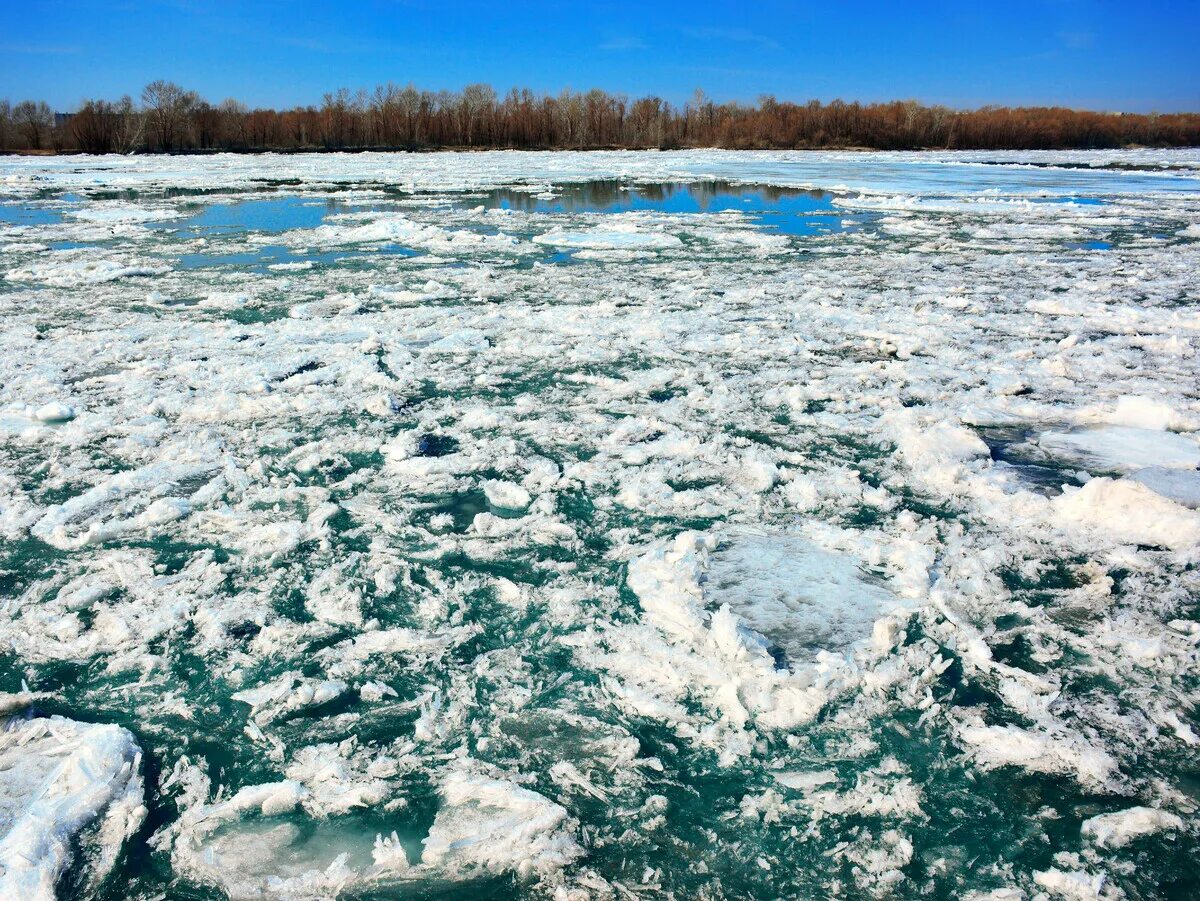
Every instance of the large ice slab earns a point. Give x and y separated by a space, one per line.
802 598
58 779
497 826
1121 448
256 843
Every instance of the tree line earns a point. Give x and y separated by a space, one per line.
168 118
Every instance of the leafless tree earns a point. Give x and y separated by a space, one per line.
34 119
475 105
131 126
94 126
391 116
411 103
335 115
233 115
168 108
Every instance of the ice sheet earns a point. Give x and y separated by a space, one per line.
657 551
66 788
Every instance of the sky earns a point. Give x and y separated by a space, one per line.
1094 54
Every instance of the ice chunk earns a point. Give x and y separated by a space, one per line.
462 341
1145 413
485 825
1121 448
804 599
62 780
72 273
335 784
997 746
108 509
715 657
52 413
376 691
937 449
117 212
289 694
506 495
1180 485
1118 829
1072 885
11 702
273 858
610 239
497 826
55 411
803 781
1128 512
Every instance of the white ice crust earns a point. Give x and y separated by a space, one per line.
748 482
486 825
58 778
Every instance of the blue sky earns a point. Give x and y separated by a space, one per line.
1100 54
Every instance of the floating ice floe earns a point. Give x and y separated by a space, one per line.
73 273
800 597
1121 448
1128 511
396 229
66 787
1038 751
248 847
52 412
506 495
1118 829
695 645
288 694
1180 485
125 502
122 213
496 826
610 239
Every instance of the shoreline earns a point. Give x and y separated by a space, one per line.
304 151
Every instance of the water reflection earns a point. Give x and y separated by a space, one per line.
278 214
14 214
614 196
795 211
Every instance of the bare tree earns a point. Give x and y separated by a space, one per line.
131 126
93 126
411 102
475 106
5 122
335 115
168 107
233 114
34 118
393 116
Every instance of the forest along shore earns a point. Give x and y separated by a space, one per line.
168 118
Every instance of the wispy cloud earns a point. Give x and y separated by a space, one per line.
39 49
625 42
733 35
1077 40
341 45
733 71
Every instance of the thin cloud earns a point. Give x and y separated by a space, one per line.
341 45
39 49
624 43
1077 40
733 35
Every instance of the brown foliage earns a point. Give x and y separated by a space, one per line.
173 119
